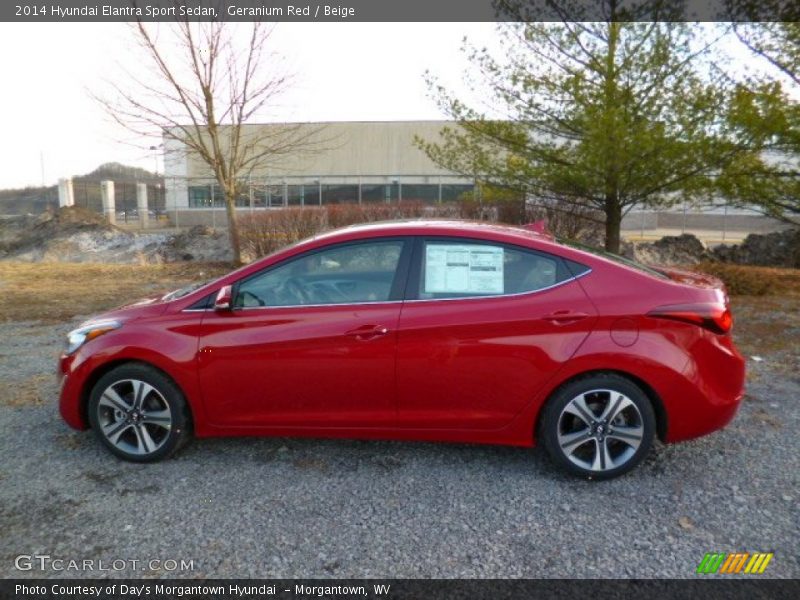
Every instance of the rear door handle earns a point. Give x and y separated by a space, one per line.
565 317
368 332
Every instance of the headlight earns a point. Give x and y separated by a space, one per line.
78 337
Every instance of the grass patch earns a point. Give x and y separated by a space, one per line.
762 416
29 392
56 292
766 324
743 280
766 307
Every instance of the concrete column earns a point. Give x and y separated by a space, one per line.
141 204
66 196
109 204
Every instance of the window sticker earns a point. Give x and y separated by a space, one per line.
463 269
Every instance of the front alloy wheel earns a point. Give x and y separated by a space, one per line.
138 413
599 427
134 416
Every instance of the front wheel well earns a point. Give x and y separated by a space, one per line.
100 371
655 400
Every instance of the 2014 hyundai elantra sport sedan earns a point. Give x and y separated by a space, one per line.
423 330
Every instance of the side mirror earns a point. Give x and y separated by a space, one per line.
224 298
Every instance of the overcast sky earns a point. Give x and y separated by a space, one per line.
346 71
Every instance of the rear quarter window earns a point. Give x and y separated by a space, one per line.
621 260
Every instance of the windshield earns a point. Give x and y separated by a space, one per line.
613 257
184 291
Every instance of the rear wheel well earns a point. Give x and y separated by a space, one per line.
655 400
100 371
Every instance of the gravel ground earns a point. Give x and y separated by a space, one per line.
310 508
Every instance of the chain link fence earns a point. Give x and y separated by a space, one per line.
175 202
88 194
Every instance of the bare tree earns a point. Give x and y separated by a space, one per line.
205 81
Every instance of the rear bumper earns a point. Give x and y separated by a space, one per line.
708 394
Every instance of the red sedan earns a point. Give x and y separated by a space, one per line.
444 331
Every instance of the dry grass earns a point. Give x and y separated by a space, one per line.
766 324
29 392
55 292
766 308
743 280
762 416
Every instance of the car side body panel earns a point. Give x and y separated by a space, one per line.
167 341
468 370
476 363
326 366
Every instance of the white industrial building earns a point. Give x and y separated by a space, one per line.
361 162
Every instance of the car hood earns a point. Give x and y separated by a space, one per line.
147 307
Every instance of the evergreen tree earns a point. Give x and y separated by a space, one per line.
608 114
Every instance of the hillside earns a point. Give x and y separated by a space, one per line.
37 199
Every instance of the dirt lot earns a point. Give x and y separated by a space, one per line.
310 508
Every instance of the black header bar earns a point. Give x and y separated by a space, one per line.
398 10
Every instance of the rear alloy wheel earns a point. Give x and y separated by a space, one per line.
599 427
138 413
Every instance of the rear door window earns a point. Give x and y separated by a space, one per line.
471 268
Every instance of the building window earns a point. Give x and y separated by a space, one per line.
451 193
371 193
389 192
428 194
296 194
276 193
199 196
259 193
339 194
219 196
262 195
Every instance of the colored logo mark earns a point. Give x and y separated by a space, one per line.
736 562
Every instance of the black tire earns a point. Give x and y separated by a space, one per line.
574 442
136 397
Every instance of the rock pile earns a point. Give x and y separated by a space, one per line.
777 249
75 234
671 250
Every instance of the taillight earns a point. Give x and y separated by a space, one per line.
714 317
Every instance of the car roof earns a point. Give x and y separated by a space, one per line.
414 227
434 227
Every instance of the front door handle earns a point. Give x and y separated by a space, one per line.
368 332
565 317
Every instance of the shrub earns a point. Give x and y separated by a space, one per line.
743 280
264 232
342 215
568 220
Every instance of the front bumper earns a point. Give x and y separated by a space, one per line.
70 402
